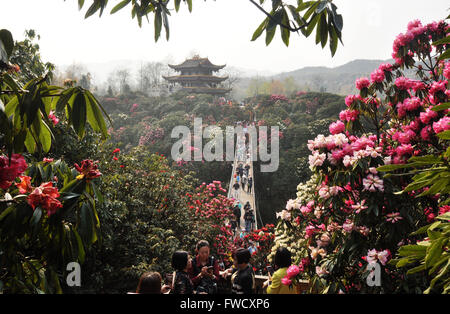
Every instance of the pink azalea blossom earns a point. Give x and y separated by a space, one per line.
394 217
377 76
286 281
362 82
373 183
359 206
337 127
292 271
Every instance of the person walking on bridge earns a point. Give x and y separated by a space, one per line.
250 184
237 214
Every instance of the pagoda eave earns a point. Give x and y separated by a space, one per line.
191 78
206 90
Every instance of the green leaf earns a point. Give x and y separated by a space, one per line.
120 6
311 25
442 41
444 135
45 136
442 106
285 33
445 55
189 2
323 30
6 45
94 115
37 214
158 24
177 5
434 252
260 29
322 5
79 114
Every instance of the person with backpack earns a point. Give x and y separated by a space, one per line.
205 272
247 206
249 184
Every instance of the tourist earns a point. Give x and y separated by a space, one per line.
249 219
249 183
243 278
236 190
282 262
252 248
243 182
247 170
237 214
181 283
150 283
247 206
233 223
204 272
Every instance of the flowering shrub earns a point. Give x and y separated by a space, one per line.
210 209
263 239
350 213
32 256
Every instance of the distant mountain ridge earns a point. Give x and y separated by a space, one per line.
339 80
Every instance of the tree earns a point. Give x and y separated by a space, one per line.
27 56
319 14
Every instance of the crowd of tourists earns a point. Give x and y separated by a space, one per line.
202 273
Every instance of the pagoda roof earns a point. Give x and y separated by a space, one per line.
195 77
196 62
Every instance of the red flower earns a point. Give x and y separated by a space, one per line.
11 170
24 185
53 118
88 170
115 158
47 160
45 196
117 150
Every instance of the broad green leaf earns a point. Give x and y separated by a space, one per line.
120 6
442 106
260 29
37 214
79 114
158 24
442 41
6 45
285 33
445 55
322 5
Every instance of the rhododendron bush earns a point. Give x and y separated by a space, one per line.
48 219
352 212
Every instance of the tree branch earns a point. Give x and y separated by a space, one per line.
278 22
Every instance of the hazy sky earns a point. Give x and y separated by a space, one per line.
220 30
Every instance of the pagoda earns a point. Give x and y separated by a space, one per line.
196 76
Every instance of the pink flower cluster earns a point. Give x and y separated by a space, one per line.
348 115
362 82
442 125
337 127
381 256
377 76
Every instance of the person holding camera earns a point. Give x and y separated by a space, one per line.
205 272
